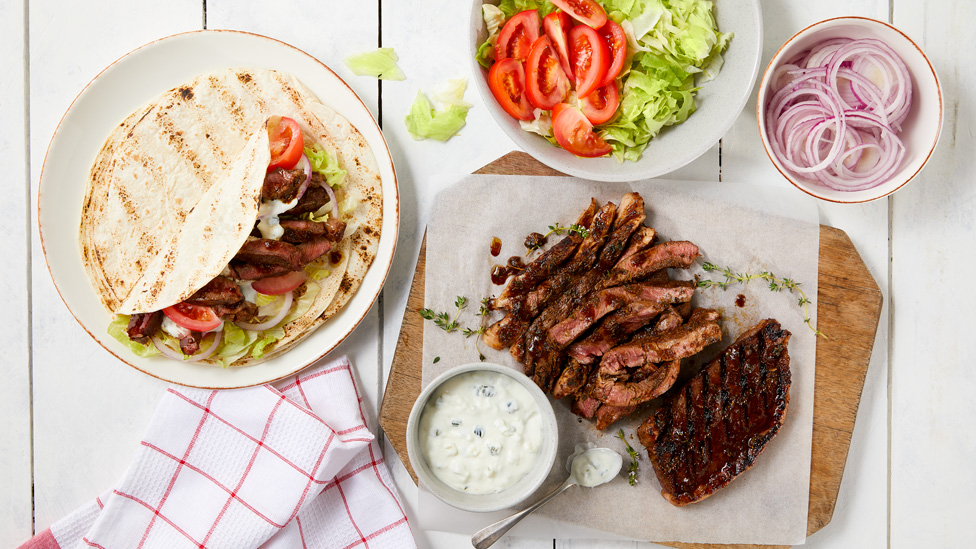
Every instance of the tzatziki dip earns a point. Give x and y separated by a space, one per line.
481 432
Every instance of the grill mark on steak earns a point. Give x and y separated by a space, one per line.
746 390
701 330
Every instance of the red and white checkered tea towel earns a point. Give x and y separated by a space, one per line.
292 466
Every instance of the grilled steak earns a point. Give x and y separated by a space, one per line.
219 291
614 329
651 381
190 343
143 326
244 311
606 415
715 426
669 255
701 331
269 252
572 379
313 249
314 198
255 271
599 304
281 184
296 231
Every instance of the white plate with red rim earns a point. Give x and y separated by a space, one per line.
920 130
134 80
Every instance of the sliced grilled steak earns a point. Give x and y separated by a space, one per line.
585 406
668 255
143 326
266 251
334 229
219 291
190 343
545 265
313 249
613 330
281 184
256 271
314 198
654 380
296 231
715 426
572 379
701 331
639 241
600 303
607 415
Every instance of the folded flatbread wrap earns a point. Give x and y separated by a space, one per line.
175 191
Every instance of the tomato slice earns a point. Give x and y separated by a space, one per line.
287 143
198 318
556 26
601 105
546 84
517 36
590 58
584 11
575 133
506 79
278 285
616 41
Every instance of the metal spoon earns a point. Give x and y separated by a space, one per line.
585 460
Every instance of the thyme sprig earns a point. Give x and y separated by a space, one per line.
776 284
444 321
634 456
556 228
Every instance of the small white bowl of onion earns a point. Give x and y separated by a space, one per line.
849 109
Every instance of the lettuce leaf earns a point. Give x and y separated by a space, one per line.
118 329
326 163
424 122
380 63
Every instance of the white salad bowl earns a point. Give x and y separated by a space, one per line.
719 103
508 497
920 130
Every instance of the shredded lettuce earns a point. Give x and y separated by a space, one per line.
511 7
317 272
302 304
261 299
380 63
326 163
424 122
118 329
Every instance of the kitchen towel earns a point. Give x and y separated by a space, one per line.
276 466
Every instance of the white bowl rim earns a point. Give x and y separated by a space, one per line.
810 29
521 490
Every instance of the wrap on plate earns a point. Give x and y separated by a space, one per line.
201 210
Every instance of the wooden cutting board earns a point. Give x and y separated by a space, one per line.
848 309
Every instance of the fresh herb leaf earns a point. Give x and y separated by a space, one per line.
776 284
556 228
634 456
445 322
437 359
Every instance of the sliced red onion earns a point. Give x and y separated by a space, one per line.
273 321
332 198
827 120
307 168
166 350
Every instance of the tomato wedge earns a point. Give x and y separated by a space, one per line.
286 141
616 40
546 84
278 285
556 26
601 105
198 318
575 133
506 79
517 36
584 11
590 58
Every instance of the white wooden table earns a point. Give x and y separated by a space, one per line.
71 415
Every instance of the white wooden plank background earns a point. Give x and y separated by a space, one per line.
907 490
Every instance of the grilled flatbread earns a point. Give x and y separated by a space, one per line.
174 193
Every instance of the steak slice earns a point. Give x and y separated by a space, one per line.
313 249
546 264
281 184
688 339
572 379
715 426
143 326
600 303
649 382
266 251
219 291
606 415
296 231
314 198
668 255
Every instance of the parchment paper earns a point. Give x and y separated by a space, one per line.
747 228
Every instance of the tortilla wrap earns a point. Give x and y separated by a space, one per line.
174 193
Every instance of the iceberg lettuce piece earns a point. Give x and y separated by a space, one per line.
381 63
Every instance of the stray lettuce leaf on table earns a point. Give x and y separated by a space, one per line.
380 63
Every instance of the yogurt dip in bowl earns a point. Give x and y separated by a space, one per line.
482 437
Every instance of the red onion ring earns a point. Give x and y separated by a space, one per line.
307 167
273 321
827 120
166 350
332 199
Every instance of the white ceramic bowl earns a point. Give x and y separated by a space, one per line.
499 500
920 131
719 102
